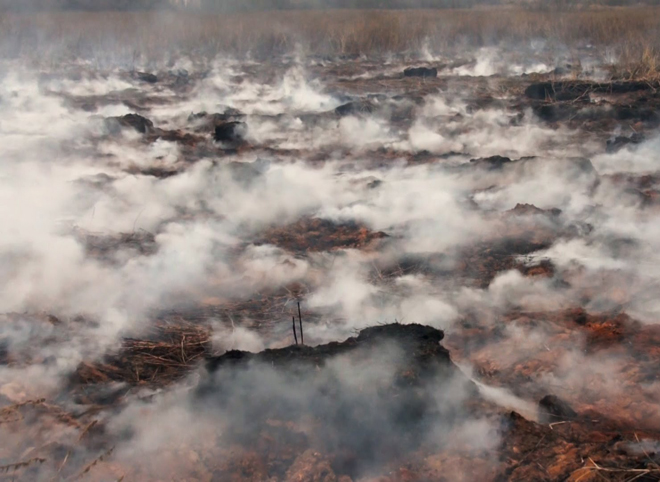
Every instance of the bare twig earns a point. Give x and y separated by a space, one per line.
557 423
66 457
302 339
93 463
87 429
233 333
183 352
595 467
137 217
21 464
644 451
12 408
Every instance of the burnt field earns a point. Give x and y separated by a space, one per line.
467 237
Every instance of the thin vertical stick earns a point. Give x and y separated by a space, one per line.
295 337
302 340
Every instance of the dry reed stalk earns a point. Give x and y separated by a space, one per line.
134 36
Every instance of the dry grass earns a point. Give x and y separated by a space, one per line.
128 36
172 351
638 61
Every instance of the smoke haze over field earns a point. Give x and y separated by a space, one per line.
168 197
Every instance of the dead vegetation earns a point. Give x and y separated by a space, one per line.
575 446
164 355
105 247
315 234
629 33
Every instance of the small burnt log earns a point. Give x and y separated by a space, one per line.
302 339
147 77
356 107
230 132
420 72
490 163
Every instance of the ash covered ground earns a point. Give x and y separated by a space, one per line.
474 248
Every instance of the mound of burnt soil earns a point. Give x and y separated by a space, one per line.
142 125
600 106
390 405
106 246
134 121
573 90
523 230
387 405
421 344
607 336
230 132
420 72
476 264
316 234
361 402
530 209
355 108
644 189
490 163
481 262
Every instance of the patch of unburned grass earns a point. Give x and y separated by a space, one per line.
628 32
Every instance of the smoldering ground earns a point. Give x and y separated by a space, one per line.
388 208
365 404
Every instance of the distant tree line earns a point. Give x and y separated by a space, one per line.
241 5
84 4
232 5
554 5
